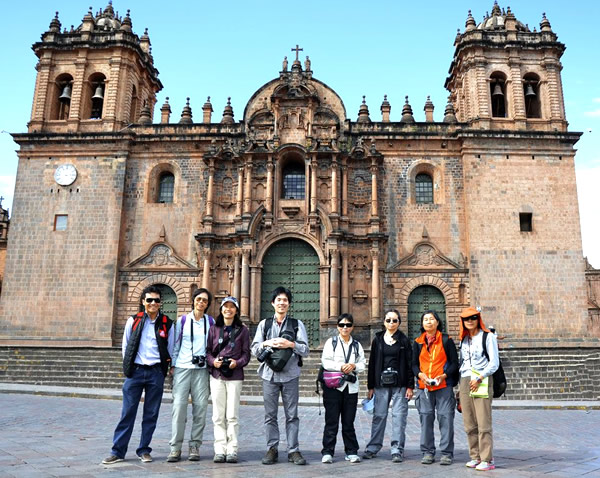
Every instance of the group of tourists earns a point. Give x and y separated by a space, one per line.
207 356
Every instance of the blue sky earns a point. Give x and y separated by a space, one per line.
222 49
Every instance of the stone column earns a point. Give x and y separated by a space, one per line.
375 294
334 187
516 84
206 267
210 192
269 201
240 192
313 185
245 300
345 284
256 275
483 90
248 188
374 201
344 188
236 275
334 285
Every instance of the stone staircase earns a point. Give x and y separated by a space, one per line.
546 374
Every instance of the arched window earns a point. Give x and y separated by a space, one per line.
294 181
134 106
423 189
531 90
62 104
498 94
166 187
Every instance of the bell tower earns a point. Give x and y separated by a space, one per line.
505 76
96 77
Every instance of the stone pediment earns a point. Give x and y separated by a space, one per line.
160 256
426 256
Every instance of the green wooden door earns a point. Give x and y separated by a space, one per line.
293 264
425 297
169 301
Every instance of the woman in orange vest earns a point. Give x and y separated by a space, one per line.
435 363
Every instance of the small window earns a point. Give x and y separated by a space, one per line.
526 221
293 182
166 188
424 189
60 222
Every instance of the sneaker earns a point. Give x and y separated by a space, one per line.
231 458
353 458
219 458
397 458
427 459
145 458
367 455
485 466
446 460
296 458
327 459
174 456
109 460
472 463
271 457
194 454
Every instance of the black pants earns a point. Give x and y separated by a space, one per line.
339 404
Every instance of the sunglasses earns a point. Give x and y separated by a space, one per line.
152 299
473 317
201 299
345 325
392 321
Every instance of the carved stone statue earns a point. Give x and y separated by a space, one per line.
285 64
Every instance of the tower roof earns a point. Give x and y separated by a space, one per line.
497 20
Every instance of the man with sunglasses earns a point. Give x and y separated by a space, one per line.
147 348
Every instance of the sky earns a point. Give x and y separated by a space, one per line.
230 49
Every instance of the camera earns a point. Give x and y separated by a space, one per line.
350 377
199 360
226 361
432 382
264 354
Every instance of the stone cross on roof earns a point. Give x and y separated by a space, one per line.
297 50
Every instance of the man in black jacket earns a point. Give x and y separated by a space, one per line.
147 347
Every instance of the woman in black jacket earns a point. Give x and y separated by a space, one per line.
390 377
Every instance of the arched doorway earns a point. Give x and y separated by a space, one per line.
425 297
294 264
169 301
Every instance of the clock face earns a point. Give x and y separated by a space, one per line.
65 174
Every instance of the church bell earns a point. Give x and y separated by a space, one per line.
529 91
99 94
65 96
497 90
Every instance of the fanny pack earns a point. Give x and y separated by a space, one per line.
389 378
333 379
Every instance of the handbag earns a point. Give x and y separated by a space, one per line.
333 379
389 377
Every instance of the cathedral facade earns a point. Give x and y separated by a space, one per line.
357 216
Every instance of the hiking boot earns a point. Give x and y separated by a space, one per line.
296 458
427 459
174 456
194 454
397 458
231 458
271 457
145 458
367 455
446 460
109 460
219 458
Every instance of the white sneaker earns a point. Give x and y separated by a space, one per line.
353 458
485 466
327 459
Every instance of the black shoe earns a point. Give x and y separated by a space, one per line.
271 457
367 455
296 458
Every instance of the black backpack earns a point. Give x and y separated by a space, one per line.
280 357
499 376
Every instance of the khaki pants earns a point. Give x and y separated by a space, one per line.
477 418
226 411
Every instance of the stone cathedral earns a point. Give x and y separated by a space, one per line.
354 211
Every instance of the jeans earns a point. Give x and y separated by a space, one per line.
443 403
148 380
383 396
289 395
339 404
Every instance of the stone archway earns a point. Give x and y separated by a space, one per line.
169 301
294 264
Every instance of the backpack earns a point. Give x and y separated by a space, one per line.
499 376
279 358
455 377
211 322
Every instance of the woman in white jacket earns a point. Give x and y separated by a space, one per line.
342 354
